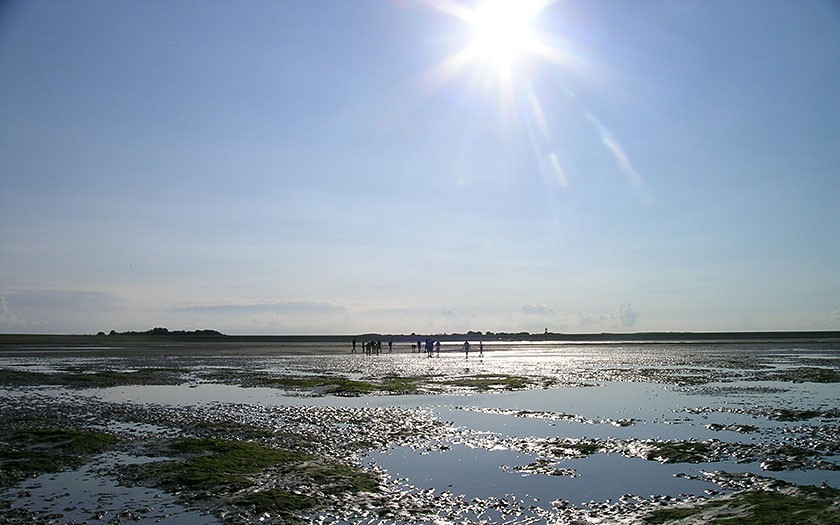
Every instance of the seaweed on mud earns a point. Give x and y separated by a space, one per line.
230 429
491 381
320 384
278 500
28 453
678 452
790 457
577 448
804 374
402 385
24 378
392 384
111 378
793 414
246 474
215 463
326 384
678 377
543 467
788 505
82 379
743 429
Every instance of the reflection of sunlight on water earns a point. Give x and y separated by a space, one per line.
478 473
72 494
484 428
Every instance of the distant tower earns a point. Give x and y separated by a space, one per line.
546 330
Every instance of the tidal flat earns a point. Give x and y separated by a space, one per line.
529 433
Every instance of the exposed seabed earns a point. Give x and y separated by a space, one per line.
554 434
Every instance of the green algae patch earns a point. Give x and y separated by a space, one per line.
336 478
491 381
578 448
806 374
669 376
341 386
664 516
27 453
229 429
248 475
679 452
110 378
24 378
789 506
322 384
277 500
82 379
214 463
402 385
793 414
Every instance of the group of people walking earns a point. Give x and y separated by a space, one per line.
429 346
372 347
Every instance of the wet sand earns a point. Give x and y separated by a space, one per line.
531 432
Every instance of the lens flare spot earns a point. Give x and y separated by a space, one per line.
554 160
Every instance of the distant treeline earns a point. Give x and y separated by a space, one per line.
635 337
165 332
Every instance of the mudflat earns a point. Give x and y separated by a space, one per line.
104 429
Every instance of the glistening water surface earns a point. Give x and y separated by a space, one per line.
526 432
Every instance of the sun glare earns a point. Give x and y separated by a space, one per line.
502 30
501 39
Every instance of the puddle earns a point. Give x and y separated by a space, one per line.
87 495
480 473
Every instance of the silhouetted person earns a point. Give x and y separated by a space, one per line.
437 347
481 349
467 349
354 345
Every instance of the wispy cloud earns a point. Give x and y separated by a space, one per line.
277 307
449 314
58 311
829 320
538 310
63 299
627 315
536 316
7 317
624 317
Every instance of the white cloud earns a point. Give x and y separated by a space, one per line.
627 316
59 311
7 317
538 310
262 317
623 317
278 307
829 320
66 300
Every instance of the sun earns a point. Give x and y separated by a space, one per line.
502 31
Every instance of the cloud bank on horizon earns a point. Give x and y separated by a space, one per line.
419 166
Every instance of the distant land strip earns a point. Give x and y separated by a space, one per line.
165 335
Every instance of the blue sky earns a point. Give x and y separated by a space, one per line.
295 167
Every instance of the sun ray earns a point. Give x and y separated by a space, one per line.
505 42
